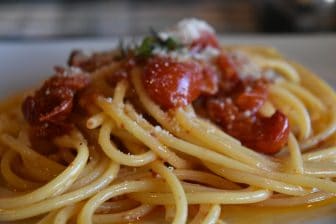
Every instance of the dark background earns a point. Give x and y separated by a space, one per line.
37 19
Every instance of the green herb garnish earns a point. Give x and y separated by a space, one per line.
172 44
145 49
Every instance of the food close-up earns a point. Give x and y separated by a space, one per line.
174 127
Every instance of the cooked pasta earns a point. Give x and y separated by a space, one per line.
177 126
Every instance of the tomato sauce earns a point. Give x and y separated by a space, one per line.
172 84
230 101
263 134
48 109
224 88
236 108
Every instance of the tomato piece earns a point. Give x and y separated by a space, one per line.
235 107
271 135
227 67
209 83
222 111
48 110
171 83
263 134
251 94
229 74
275 133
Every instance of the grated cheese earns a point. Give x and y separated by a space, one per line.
187 30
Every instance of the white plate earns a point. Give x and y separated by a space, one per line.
23 64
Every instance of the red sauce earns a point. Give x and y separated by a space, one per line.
48 109
227 93
271 133
209 85
229 73
174 84
122 72
263 134
230 101
235 109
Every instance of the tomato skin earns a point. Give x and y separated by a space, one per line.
263 134
171 83
49 108
225 64
229 74
273 134
210 79
250 94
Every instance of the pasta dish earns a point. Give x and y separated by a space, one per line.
172 127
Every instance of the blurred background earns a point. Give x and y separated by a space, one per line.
37 19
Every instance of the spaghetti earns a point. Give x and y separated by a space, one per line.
176 125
